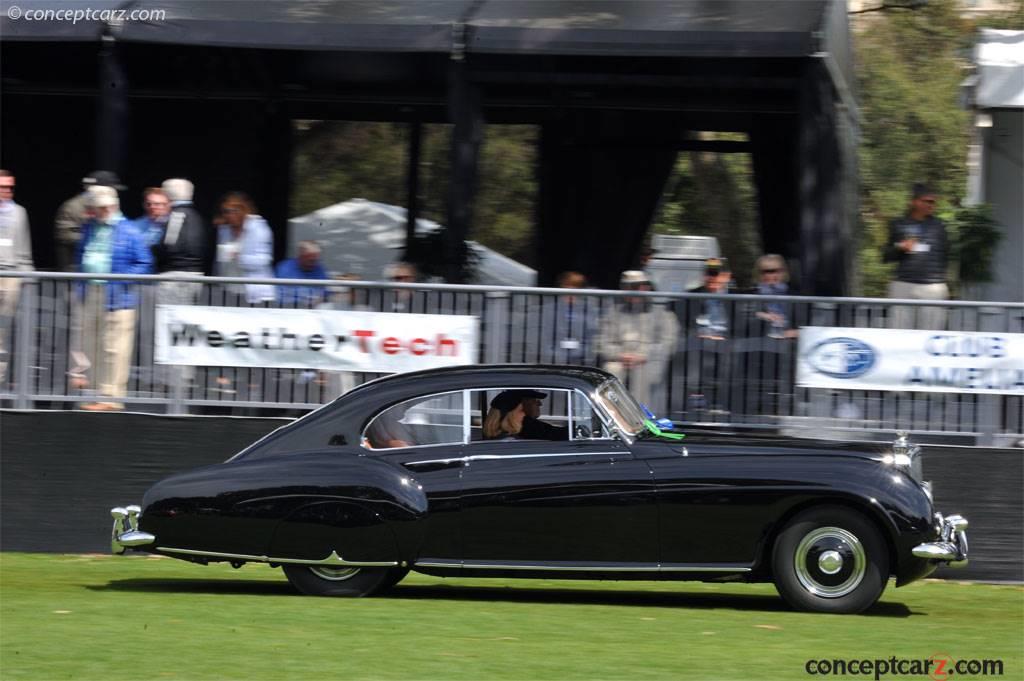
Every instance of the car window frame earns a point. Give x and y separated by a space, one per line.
606 420
419 398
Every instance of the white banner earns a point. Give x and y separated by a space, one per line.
313 339
910 360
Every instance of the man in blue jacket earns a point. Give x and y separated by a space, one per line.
109 309
306 265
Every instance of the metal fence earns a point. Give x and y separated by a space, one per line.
726 364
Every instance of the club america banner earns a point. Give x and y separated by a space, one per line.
910 360
383 342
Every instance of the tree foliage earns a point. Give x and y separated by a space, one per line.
910 65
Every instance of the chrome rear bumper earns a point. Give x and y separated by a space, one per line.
952 545
126 533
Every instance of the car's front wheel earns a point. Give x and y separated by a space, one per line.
323 580
830 559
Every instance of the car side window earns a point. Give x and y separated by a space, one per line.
587 423
420 422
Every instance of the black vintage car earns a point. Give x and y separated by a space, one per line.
408 473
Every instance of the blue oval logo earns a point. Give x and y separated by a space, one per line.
841 357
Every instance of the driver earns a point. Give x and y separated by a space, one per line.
515 414
533 427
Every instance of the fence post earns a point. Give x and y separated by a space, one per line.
26 348
497 320
989 422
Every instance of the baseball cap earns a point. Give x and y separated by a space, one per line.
102 195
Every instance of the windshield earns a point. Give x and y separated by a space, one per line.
621 406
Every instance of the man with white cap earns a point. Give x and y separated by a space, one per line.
74 213
637 339
109 309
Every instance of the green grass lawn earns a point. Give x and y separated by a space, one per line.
105 617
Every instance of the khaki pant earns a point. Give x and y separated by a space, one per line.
107 341
9 290
907 317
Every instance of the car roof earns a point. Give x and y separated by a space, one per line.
517 373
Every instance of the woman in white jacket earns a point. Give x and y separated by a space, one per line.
245 246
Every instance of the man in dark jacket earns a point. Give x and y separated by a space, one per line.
918 244
182 249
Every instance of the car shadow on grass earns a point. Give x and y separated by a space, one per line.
647 599
227 587
472 593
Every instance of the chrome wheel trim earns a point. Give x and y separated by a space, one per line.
830 535
334 574
830 562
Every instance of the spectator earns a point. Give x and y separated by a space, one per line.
156 207
773 280
245 246
763 357
637 340
401 299
712 319
919 246
15 255
568 327
181 251
708 348
306 265
74 213
110 244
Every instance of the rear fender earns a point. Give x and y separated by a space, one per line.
353 531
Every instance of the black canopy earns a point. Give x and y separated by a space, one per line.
617 87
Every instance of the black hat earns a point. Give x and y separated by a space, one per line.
921 189
507 400
103 178
713 266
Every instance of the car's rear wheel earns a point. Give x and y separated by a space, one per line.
324 580
830 559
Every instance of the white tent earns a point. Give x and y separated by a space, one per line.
363 237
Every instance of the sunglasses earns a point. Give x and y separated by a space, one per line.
230 211
7 186
928 201
770 270
403 277
157 203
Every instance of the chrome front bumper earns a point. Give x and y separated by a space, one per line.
951 548
126 533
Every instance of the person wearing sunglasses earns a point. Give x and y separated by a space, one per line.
920 248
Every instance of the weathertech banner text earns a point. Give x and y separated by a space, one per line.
313 339
911 360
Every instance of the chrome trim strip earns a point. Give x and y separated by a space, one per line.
333 559
499 457
668 567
